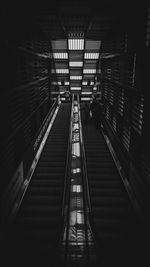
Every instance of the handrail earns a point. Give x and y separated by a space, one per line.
13 209
84 168
48 116
66 194
68 165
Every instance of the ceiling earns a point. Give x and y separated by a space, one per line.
76 31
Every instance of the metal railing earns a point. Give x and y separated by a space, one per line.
11 209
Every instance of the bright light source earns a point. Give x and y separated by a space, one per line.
92 83
76 44
85 98
91 55
76 149
60 55
86 93
75 77
88 71
95 88
75 64
66 83
84 83
62 71
77 188
59 83
75 88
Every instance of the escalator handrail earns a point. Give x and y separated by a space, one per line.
49 115
66 192
84 168
18 201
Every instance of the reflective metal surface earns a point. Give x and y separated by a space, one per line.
77 238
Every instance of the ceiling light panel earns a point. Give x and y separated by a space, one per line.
76 44
75 88
60 55
84 83
75 77
85 98
86 93
88 71
62 71
92 83
66 83
75 64
91 55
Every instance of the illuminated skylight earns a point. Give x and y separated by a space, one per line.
62 71
60 55
84 83
76 44
91 55
66 83
88 71
85 98
86 93
92 83
75 64
75 77
75 88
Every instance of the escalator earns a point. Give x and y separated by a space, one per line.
119 234
36 231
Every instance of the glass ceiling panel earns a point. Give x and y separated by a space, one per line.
59 44
91 55
76 44
60 55
73 84
88 76
75 88
75 64
67 83
91 44
75 77
75 72
89 66
75 56
62 71
84 83
61 65
88 71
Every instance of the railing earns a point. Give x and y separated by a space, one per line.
63 244
11 206
68 166
77 241
91 244
84 168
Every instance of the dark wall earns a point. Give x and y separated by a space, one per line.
125 85
25 91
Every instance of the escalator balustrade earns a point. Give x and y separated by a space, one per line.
115 224
36 230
